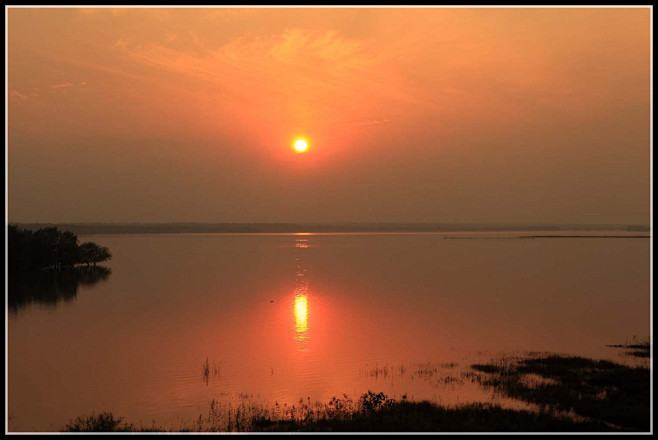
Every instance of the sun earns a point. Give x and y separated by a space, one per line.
301 146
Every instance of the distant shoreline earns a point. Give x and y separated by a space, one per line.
586 236
255 228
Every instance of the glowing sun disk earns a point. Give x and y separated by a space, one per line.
301 145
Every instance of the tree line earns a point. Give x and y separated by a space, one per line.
50 248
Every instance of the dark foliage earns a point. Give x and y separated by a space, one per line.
93 253
50 248
104 422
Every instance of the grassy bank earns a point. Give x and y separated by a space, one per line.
572 394
400 416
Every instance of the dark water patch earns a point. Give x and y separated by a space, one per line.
50 287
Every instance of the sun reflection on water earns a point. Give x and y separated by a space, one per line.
301 315
301 306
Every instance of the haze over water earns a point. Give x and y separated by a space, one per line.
279 317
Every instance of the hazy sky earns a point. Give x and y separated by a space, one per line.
411 115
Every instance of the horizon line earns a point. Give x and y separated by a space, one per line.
341 222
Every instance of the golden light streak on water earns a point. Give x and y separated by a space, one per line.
301 314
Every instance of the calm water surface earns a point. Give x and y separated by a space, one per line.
279 317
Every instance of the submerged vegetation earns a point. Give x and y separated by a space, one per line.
206 371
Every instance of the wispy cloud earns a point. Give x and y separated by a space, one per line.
62 85
17 94
67 85
311 73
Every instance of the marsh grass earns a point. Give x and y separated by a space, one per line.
635 347
207 370
439 374
379 371
373 412
597 390
638 353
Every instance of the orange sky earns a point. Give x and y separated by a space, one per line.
412 115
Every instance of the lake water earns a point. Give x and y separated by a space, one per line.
279 317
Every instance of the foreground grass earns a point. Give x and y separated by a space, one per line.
104 422
372 413
428 417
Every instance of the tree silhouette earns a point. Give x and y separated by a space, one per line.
50 248
93 253
68 252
